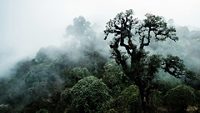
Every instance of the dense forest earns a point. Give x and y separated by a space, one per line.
136 66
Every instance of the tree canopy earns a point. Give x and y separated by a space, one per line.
130 37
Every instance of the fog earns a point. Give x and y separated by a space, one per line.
28 25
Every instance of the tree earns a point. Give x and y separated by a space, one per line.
89 95
179 98
130 37
76 74
127 101
114 78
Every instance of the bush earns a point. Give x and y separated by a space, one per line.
128 100
114 78
89 95
177 99
155 101
75 74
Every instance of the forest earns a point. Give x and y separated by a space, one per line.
135 66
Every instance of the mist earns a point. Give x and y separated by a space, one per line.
27 26
52 44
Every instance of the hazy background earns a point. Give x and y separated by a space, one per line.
28 25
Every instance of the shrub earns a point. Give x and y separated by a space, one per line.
75 74
89 95
128 100
179 98
114 78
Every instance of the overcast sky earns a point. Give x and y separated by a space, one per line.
27 25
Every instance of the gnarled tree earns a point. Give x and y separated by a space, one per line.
130 37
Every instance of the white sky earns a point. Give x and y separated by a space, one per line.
27 25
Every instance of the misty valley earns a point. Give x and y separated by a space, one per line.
132 66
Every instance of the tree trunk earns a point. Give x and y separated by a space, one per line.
143 100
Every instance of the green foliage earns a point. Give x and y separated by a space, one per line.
94 61
159 27
89 95
73 75
128 101
130 94
114 78
59 81
165 82
130 37
113 73
180 97
25 84
43 76
79 72
174 66
42 111
156 99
